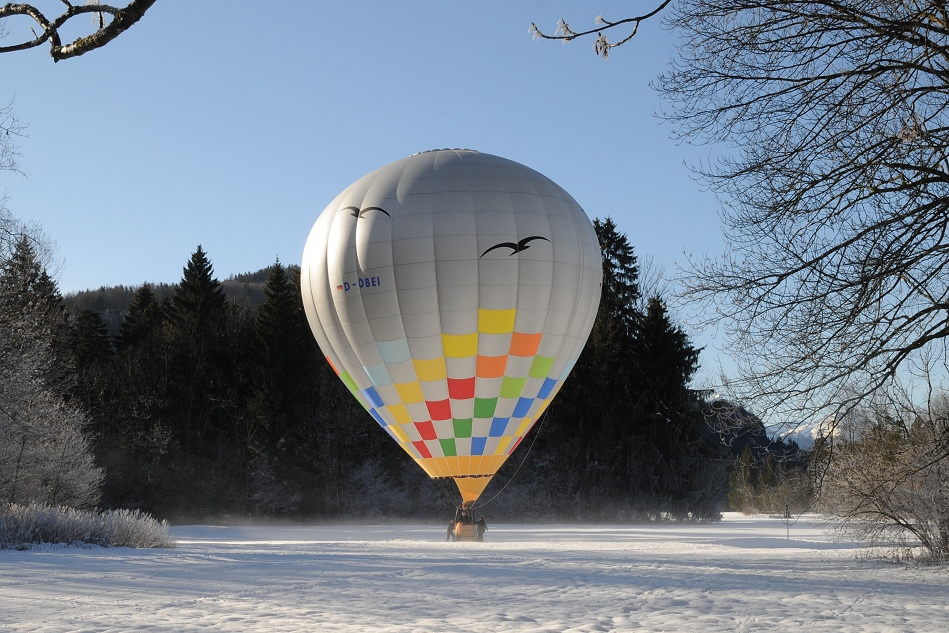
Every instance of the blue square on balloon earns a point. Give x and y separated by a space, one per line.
498 426
378 418
522 407
373 396
477 445
546 388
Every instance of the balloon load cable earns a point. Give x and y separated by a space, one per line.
523 461
447 489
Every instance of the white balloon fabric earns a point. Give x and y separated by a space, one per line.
452 292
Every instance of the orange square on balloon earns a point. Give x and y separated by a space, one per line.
490 366
524 344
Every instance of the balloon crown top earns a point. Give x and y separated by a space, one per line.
448 149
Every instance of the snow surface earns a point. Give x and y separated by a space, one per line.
739 575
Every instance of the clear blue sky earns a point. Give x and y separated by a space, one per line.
232 124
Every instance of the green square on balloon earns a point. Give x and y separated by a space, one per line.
349 382
462 428
512 387
484 407
541 366
448 447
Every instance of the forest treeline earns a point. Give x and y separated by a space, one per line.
201 402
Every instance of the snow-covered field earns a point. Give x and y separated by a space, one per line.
739 575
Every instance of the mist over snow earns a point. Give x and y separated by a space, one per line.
742 574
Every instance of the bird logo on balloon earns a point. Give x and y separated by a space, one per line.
361 213
516 247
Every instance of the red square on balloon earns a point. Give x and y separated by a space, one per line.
440 410
426 430
422 449
461 388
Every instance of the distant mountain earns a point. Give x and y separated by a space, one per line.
804 434
112 302
849 427
732 425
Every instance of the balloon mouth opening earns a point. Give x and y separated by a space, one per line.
470 486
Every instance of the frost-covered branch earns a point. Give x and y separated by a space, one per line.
10 129
601 46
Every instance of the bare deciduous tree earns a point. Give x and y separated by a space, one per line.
835 191
110 22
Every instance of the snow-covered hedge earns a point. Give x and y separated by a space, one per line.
22 526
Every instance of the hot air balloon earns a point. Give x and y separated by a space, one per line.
452 292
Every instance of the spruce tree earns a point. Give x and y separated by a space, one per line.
664 359
90 340
278 382
142 318
620 295
587 419
199 304
200 407
136 442
91 351
665 420
625 429
30 298
277 349
27 289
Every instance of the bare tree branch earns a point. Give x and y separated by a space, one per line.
601 46
121 20
10 129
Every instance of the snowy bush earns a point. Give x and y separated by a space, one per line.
24 525
889 486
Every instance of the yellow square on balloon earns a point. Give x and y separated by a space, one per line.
430 370
399 413
460 345
496 321
410 392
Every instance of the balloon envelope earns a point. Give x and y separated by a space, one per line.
452 292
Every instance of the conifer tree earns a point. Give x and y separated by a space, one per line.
278 376
664 359
625 427
199 306
620 295
27 289
200 409
142 318
30 297
135 438
588 417
277 349
90 340
674 457
91 351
